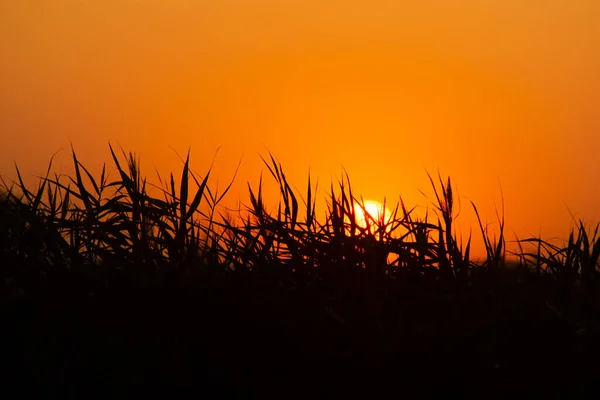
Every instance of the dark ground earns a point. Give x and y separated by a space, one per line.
253 339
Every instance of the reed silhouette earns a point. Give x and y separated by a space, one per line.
105 286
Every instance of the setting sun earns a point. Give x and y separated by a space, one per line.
168 166
370 213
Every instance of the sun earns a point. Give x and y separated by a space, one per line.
370 213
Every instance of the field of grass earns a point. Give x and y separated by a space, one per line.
110 289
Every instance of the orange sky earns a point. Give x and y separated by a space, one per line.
490 92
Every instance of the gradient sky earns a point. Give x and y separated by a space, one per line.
492 93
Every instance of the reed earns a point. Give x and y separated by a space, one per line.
379 288
97 225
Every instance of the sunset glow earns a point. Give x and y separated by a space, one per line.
371 214
494 94
259 197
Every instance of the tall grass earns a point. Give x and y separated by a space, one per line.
171 281
576 262
113 230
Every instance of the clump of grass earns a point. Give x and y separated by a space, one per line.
111 227
389 287
577 262
114 228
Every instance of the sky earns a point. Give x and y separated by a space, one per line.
502 96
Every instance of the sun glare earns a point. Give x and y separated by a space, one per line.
370 213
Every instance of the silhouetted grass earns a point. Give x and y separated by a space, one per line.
175 285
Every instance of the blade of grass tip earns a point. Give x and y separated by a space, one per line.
52 200
84 194
277 172
103 179
460 259
595 256
28 195
280 216
60 195
381 217
173 193
447 210
520 253
442 251
294 200
256 199
335 217
283 190
134 176
450 197
582 250
468 252
498 252
486 241
230 183
160 180
183 189
595 234
314 202
280 178
260 199
448 200
538 264
351 197
117 164
42 187
91 178
571 244
143 191
256 205
65 204
211 199
501 241
309 213
198 197
7 188
349 200
394 214
405 212
437 197
277 168
294 208
273 171
347 210
584 238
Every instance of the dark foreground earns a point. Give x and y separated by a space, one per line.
249 337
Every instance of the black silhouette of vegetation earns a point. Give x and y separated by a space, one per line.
109 290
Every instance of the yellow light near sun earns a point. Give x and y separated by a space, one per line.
370 214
